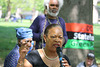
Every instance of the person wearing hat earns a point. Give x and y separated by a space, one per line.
89 62
24 41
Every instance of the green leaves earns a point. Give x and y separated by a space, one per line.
39 5
26 5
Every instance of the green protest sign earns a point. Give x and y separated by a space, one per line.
79 44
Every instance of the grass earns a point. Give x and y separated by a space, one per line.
97 42
8 37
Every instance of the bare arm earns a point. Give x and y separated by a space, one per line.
27 63
24 63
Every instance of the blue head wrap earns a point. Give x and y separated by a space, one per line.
23 33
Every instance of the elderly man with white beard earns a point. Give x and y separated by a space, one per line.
52 8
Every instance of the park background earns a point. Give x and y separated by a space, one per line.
8 23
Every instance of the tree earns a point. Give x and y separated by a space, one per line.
78 17
8 10
39 6
3 4
10 6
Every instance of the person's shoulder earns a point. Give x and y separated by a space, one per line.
42 16
80 64
32 55
94 65
15 50
33 52
12 54
60 18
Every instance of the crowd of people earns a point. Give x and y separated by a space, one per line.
49 32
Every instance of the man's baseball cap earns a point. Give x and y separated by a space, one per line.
90 55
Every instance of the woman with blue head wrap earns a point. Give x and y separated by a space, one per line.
24 38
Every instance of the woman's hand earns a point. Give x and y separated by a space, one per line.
65 63
23 51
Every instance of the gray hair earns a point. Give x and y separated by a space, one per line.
46 3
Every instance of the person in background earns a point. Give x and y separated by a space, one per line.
21 18
89 62
50 16
24 39
47 56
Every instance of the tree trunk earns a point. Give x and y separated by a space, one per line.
0 11
78 17
8 11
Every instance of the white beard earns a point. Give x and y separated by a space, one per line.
51 13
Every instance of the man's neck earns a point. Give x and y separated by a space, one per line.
51 17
